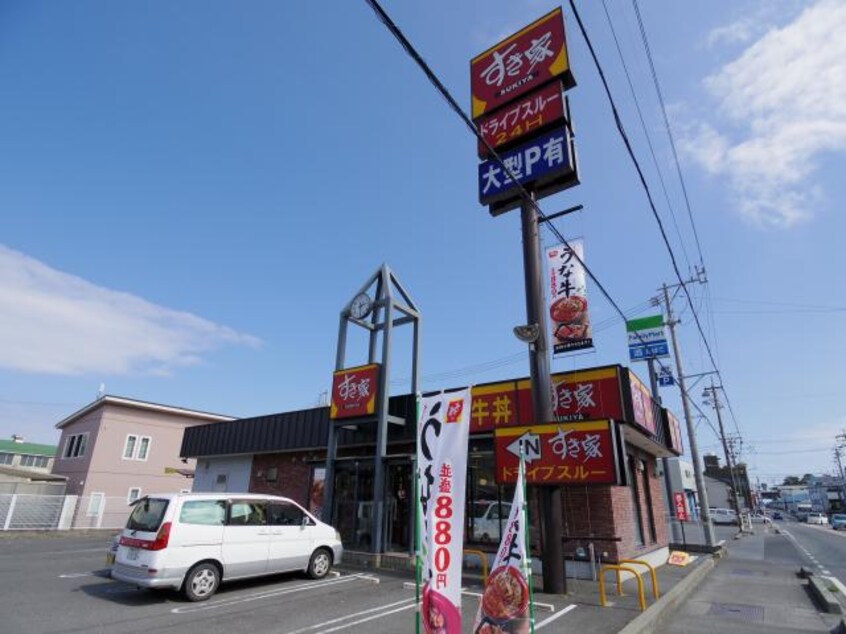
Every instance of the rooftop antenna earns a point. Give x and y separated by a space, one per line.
101 392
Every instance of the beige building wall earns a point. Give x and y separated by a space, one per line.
76 469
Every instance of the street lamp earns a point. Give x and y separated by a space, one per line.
527 333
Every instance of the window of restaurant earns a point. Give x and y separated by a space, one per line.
637 516
647 495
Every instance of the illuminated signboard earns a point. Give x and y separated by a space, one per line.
530 113
527 60
546 164
643 407
560 453
673 432
355 391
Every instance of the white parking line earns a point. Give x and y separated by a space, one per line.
824 571
370 618
357 614
550 619
223 603
76 575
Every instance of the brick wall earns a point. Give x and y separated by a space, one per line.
293 476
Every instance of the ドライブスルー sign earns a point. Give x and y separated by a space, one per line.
355 391
443 431
526 60
560 453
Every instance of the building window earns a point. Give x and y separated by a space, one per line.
144 448
129 447
95 504
38 462
6 458
75 446
134 494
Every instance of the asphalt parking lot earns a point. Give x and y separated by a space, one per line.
57 584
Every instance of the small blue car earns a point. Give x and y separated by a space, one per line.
838 522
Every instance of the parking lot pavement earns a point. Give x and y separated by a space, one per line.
56 585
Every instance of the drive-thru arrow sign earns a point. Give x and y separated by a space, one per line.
531 447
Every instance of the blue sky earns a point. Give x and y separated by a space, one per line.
191 191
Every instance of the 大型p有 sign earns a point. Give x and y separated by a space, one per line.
546 164
528 59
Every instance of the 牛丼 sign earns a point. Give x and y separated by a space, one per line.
526 60
355 391
647 339
560 453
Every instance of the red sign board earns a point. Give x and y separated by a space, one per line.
523 62
530 113
643 407
674 432
680 504
354 391
581 395
560 453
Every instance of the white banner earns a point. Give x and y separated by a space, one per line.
505 603
443 431
568 304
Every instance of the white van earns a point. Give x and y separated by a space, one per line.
193 541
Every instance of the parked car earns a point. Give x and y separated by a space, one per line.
193 541
777 515
817 518
838 522
487 517
723 516
760 518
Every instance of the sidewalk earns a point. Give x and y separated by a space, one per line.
751 591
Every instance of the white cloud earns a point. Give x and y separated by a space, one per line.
735 33
783 103
56 323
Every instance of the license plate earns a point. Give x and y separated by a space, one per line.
132 555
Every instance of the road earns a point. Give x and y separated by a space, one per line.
822 549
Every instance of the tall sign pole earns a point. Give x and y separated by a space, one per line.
554 581
704 511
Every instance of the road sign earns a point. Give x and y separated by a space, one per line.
665 377
647 339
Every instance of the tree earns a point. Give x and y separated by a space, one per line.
791 481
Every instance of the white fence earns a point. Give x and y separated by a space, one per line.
20 511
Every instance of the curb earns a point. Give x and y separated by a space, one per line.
648 621
824 596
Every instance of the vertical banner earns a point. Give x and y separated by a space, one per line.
568 305
443 431
505 605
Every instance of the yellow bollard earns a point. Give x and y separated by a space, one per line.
618 569
656 592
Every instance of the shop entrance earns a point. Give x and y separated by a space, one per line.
352 506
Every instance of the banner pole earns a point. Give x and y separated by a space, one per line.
417 556
528 544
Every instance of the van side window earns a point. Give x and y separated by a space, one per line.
285 514
205 512
247 513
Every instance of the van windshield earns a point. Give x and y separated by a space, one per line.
147 515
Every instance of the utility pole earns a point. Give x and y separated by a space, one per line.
715 402
554 579
841 441
705 513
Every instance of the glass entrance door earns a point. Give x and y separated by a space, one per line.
352 504
399 503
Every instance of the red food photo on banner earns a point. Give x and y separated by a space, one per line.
528 59
440 616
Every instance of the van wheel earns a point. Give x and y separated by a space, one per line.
201 582
319 564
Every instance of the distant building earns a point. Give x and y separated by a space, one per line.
682 480
826 494
17 453
116 449
719 493
724 474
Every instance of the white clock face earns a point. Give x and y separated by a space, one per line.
361 305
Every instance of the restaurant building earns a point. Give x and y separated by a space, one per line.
285 454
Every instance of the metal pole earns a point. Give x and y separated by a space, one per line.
729 461
704 512
554 579
332 440
668 485
841 438
382 430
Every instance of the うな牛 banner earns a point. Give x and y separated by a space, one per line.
568 305
443 431
507 601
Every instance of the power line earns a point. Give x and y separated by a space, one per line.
646 131
526 198
622 131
